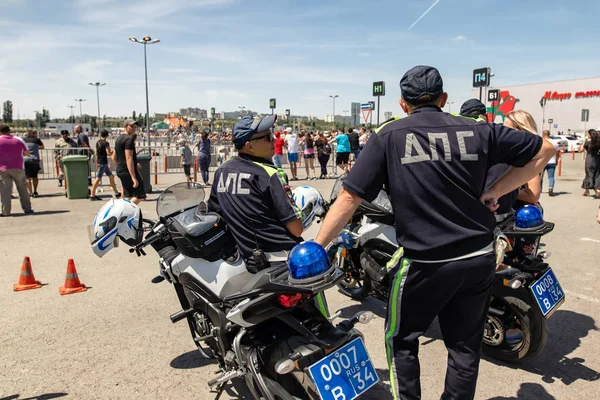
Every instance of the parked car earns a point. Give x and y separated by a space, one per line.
573 142
562 143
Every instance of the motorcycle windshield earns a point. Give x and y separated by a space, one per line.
178 198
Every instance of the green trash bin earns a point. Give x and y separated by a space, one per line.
76 175
144 160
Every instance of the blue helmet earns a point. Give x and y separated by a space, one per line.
528 218
308 262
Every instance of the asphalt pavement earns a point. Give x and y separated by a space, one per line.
116 341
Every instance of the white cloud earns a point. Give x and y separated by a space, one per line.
460 38
363 54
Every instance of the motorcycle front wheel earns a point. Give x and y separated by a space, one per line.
518 332
355 284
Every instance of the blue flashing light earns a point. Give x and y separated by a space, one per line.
529 217
307 260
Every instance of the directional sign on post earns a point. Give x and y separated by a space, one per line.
481 77
378 89
212 111
493 95
585 115
272 103
287 112
372 103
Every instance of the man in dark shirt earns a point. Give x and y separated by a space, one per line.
103 151
127 165
32 161
254 198
354 142
474 108
434 166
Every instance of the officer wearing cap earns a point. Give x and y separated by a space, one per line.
473 108
434 166
254 198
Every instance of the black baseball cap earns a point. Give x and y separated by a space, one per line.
421 84
248 126
472 108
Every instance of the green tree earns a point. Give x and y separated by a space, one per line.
7 111
45 117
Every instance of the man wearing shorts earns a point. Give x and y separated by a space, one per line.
127 165
187 159
32 162
342 151
103 151
291 141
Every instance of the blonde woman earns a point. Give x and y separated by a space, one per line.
523 121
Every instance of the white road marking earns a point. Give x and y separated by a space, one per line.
590 240
582 296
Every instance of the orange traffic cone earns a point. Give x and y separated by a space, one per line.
26 279
72 284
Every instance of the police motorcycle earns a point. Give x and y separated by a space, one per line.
262 327
525 292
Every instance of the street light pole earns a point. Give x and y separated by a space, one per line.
242 110
345 113
72 117
333 97
145 41
80 112
450 107
98 84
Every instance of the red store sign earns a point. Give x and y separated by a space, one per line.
550 95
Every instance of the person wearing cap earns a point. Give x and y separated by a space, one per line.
103 151
278 146
473 108
254 198
83 141
187 159
125 156
12 150
65 143
291 142
434 166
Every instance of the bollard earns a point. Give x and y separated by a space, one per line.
572 154
56 167
155 173
559 166
165 164
196 170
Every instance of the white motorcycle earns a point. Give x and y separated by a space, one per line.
261 327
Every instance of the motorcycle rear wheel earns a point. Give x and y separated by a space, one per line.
297 383
355 284
531 322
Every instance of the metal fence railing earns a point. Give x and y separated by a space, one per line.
166 159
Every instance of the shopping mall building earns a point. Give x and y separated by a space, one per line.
565 101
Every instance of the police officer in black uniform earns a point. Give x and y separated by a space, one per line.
254 198
434 166
473 108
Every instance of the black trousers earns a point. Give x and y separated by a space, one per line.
458 292
323 160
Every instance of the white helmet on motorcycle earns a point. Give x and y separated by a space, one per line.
119 218
310 202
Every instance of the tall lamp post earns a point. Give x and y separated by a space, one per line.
345 113
98 84
145 41
72 117
80 112
333 97
242 110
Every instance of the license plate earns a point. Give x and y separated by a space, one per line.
548 293
344 374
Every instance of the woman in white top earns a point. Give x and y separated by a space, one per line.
551 166
362 139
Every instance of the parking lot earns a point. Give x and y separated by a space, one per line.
116 341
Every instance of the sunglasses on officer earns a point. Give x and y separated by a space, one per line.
268 137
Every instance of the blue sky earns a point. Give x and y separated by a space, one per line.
230 53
